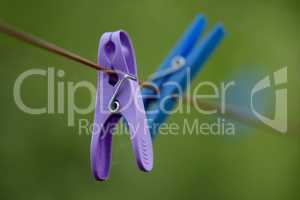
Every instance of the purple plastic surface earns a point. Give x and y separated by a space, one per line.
116 51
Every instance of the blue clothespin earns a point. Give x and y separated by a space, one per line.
181 66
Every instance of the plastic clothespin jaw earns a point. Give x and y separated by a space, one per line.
171 81
181 50
118 96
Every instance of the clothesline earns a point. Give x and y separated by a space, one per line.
12 31
43 44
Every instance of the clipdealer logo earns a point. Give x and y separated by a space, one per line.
279 122
57 87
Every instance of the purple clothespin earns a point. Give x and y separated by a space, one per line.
118 95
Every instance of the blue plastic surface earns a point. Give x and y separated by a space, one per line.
195 55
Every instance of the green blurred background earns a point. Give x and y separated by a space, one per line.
42 158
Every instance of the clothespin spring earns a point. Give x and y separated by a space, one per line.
114 105
177 63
